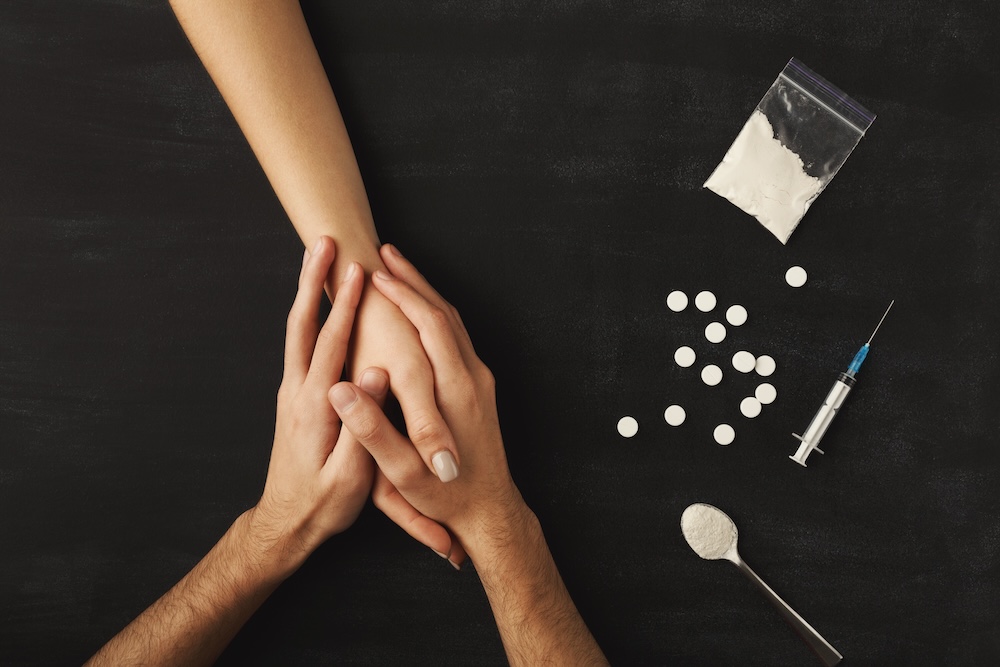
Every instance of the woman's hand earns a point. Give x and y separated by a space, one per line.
479 491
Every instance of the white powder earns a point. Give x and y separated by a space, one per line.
765 179
708 530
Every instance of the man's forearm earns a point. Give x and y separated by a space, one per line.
263 60
196 619
538 622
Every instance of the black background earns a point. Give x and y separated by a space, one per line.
542 163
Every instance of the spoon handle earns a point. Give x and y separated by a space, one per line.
829 655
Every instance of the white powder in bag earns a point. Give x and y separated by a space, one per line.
765 179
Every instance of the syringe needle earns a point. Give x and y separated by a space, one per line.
880 322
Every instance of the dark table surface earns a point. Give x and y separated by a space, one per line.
542 162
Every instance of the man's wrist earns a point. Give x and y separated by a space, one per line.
272 552
495 534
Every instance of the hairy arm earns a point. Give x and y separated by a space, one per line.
538 622
197 618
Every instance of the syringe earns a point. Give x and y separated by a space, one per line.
831 405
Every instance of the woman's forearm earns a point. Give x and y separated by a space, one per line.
263 60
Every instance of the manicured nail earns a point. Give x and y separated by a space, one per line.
343 396
445 466
455 565
395 251
319 243
382 275
445 556
373 382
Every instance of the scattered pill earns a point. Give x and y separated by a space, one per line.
627 427
736 315
705 301
750 407
711 375
677 301
744 362
765 393
724 434
765 365
674 415
715 332
684 356
796 276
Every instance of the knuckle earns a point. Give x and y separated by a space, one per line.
426 430
438 319
367 428
329 336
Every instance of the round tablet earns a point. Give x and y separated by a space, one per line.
724 434
736 315
750 407
796 276
744 362
765 365
705 301
627 427
677 301
715 332
684 356
674 415
711 375
766 393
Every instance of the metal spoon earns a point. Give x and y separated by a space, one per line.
712 535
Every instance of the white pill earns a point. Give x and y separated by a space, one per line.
766 393
744 362
677 301
765 365
715 332
736 315
796 276
627 427
724 434
684 356
711 375
674 415
705 301
750 407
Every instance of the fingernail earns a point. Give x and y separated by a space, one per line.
455 565
343 396
382 275
350 271
373 383
445 556
316 247
445 466
395 251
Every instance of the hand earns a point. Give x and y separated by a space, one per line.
463 387
385 338
319 477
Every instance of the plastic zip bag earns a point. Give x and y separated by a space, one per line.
792 146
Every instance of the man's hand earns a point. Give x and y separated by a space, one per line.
318 478
316 484
538 622
463 388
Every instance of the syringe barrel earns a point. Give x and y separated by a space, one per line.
824 416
